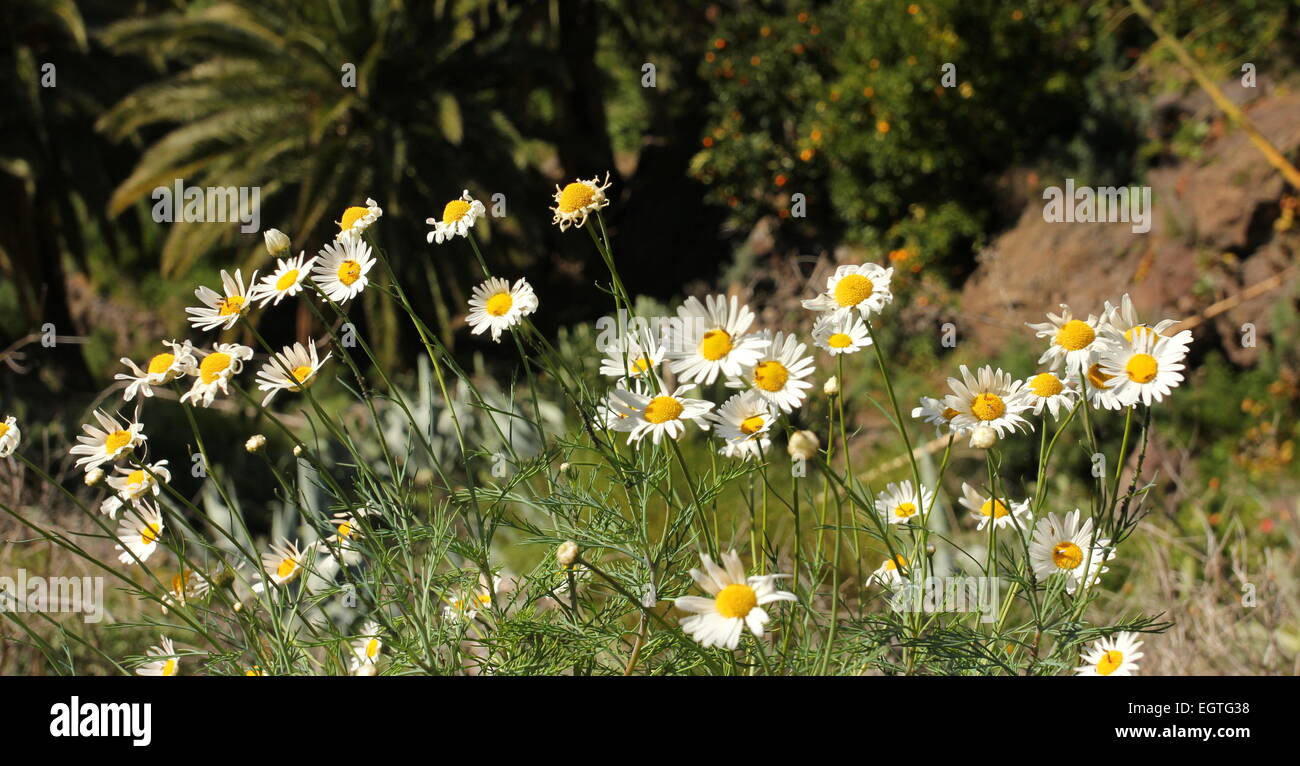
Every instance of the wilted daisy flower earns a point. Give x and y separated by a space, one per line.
357 219
132 484
744 423
1147 369
737 602
365 650
167 664
710 339
161 369
138 533
1122 321
218 365
635 355
865 288
841 333
221 310
934 411
899 502
577 200
10 435
284 562
1115 655
1047 391
341 268
1101 389
186 586
892 572
987 398
982 508
497 306
1064 546
458 217
778 375
108 442
1074 343
657 415
292 369
284 282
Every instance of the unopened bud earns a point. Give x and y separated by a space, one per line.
255 443
94 476
983 437
832 386
276 241
566 553
803 445
297 450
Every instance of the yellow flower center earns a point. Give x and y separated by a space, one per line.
231 304
1141 368
1045 384
1097 378
905 510
575 196
771 375
1074 335
995 508
301 372
137 476
641 365
988 407
839 340
499 304
715 345
169 668
286 568
662 409
351 216
4 429
179 582
1067 555
372 648
253 671
116 441
897 562
345 530
349 271
161 363
1110 662
1137 331
149 535
751 425
213 365
853 289
736 600
455 210
286 280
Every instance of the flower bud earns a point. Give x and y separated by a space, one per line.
276 241
94 476
255 443
297 450
566 553
803 445
832 386
983 437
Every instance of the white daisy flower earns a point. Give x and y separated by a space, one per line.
1147 369
108 442
10 435
1074 343
341 268
161 369
138 533
286 281
186 586
987 398
224 361
657 415
982 508
892 572
221 310
578 200
292 369
357 219
497 306
346 534
635 355
1101 389
841 333
132 484
1123 321
467 605
458 217
865 288
737 602
779 373
934 411
1064 546
612 416
167 664
709 338
1115 655
1048 391
745 424
284 562
899 502
365 650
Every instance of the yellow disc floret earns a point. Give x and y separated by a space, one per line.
662 409
736 600
853 289
1074 335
